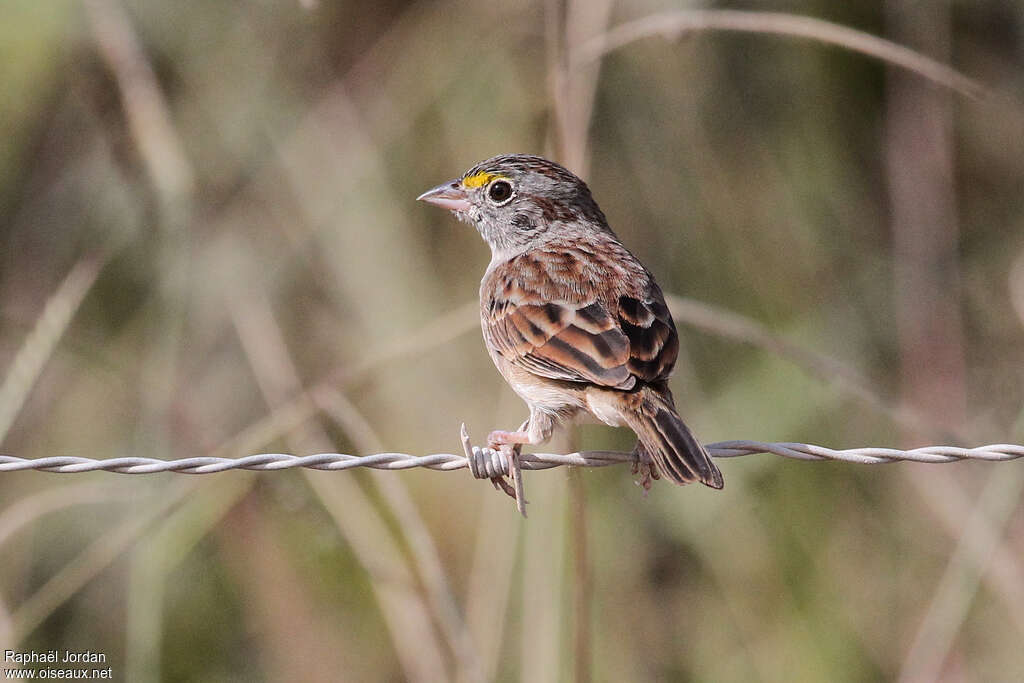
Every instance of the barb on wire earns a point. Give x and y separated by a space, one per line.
492 463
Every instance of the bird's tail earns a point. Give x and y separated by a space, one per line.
675 451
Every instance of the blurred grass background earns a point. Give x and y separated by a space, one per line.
227 190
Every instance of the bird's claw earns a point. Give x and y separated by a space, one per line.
498 442
645 468
501 484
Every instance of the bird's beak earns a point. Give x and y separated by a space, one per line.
448 195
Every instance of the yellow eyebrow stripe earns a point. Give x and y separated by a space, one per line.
478 179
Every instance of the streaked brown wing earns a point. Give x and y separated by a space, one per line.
564 342
653 341
571 316
551 330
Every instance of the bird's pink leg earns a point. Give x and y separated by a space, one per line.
499 438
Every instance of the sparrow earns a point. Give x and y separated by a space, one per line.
573 321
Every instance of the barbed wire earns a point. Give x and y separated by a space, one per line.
487 463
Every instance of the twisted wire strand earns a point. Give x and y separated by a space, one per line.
486 463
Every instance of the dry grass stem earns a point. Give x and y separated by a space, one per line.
403 609
428 561
489 588
944 494
144 104
90 562
731 325
583 583
959 584
27 510
442 329
675 24
154 559
38 347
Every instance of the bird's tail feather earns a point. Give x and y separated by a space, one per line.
675 451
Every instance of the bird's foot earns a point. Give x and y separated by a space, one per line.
508 444
501 484
497 439
645 468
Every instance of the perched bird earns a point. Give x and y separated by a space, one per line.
572 320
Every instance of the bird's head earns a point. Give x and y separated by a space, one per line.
514 200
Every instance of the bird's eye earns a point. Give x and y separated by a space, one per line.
500 191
